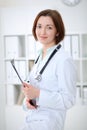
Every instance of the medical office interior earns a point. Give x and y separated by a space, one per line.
17 42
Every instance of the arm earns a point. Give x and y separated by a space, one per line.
64 98
30 93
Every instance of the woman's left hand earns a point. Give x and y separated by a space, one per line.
30 91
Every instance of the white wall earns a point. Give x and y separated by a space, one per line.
2 87
20 19
76 118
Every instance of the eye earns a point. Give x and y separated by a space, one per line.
49 27
38 26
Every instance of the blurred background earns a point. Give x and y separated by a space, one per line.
17 42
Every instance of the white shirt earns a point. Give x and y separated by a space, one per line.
57 89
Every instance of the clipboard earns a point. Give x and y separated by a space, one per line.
13 65
32 102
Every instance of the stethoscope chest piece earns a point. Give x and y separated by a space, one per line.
38 77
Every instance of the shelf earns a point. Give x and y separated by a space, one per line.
23 49
11 76
30 63
14 95
71 44
84 45
84 72
14 46
32 47
78 67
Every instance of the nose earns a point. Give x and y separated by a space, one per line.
43 31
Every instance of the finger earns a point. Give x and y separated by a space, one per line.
30 106
25 84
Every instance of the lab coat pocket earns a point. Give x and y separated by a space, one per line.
38 116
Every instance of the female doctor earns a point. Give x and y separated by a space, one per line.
52 86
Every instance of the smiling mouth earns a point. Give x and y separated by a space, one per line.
43 37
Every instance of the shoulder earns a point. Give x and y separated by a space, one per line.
62 55
64 59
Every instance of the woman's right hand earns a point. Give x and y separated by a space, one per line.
29 105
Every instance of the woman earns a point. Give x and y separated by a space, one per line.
51 89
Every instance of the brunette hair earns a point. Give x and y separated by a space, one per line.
58 22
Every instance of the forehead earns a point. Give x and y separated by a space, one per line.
46 20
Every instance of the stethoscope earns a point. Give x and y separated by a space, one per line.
38 77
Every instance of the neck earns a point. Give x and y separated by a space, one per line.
45 50
44 53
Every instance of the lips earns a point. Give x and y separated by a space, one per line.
43 37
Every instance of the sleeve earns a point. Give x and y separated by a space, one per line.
64 98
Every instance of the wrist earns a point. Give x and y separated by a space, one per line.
37 93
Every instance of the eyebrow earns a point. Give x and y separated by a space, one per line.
46 25
50 25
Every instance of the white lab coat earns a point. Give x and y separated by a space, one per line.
57 93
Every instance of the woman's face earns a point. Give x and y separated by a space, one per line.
46 31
